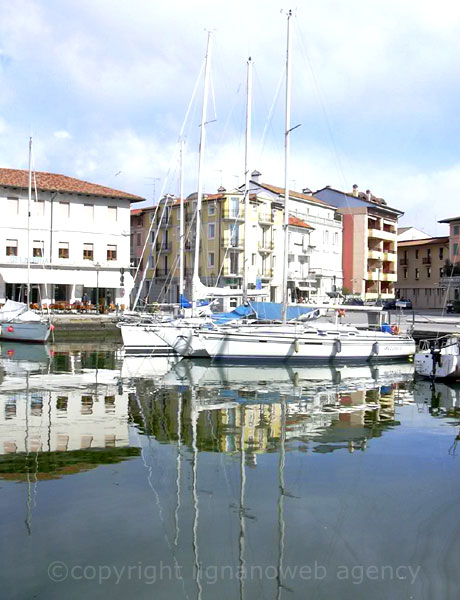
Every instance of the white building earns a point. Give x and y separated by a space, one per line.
315 261
75 242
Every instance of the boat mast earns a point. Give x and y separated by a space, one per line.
29 202
199 199
181 223
287 131
246 181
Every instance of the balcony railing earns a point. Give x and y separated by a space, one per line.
233 214
163 247
229 271
266 246
233 244
267 274
266 218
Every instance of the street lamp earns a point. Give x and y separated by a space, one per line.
97 266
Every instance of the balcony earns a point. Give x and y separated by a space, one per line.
426 260
373 275
380 234
266 218
390 276
267 274
230 271
233 215
375 254
266 247
233 244
163 247
389 256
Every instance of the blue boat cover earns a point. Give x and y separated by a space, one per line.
184 303
238 313
271 311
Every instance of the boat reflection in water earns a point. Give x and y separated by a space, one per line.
340 407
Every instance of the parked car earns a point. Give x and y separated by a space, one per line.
354 301
404 304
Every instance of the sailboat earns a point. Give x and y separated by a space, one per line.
17 322
154 336
298 341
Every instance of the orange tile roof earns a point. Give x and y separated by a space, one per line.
52 182
425 241
296 222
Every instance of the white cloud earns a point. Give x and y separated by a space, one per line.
62 134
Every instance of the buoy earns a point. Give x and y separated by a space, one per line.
10 328
296 346
52 327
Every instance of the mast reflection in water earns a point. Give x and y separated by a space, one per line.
189 479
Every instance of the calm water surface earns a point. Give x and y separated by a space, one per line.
149 478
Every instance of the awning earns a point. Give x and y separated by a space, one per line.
89 279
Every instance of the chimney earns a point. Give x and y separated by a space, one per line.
355 190
255 176
368 194
221 189
307 191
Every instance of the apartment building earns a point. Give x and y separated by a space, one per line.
71 239
314 259
451 279
421 267
369 241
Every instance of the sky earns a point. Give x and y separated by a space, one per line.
106 88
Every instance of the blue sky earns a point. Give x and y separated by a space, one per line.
103 86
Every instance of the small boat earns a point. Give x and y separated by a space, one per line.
438 358
19 324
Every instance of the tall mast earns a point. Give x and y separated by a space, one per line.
199 199
287 131
29 202
181 223
246 181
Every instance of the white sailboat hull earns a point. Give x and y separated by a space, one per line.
440 364
301 346
143 339
25 331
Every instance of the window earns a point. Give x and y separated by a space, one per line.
111 252
455 229
138 239
416 254
455 252
428 273
13 205
211 209
417 273
88 212
37 249
63 250
405 273
88 252
234 207
336 239
441 253
210 259
11 247
211 231
326 237
441 272
64 210
112 213
253 260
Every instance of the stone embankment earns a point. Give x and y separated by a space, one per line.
83 327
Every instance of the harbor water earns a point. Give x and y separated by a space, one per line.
164 478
